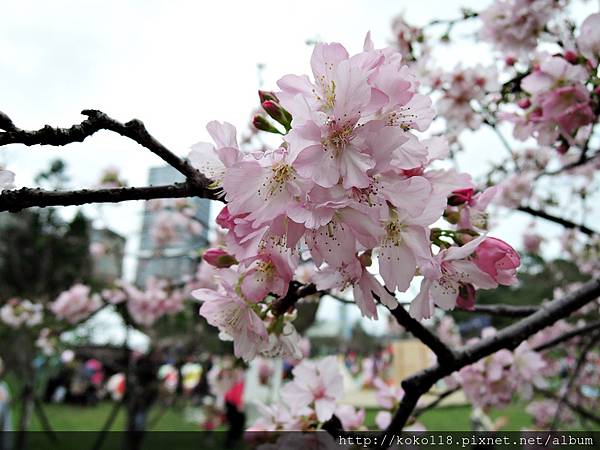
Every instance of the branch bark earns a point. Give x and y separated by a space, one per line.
509 338
17 200
196 184
444 354
505 310
559 220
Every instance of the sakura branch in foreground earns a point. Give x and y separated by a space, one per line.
358 192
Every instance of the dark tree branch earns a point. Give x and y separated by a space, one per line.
444 354
96 121
509 338
295 292
584 159
505 310
559 220
16 200
568 335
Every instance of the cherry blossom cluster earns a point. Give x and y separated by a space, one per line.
146 306
174 218
544 411
556 105
76 304
465 91
496 379
307 401
17 313
388 397
514 26
353 182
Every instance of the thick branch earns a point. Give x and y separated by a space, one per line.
295 292
441 350
559 220
509 338
16 200
96 121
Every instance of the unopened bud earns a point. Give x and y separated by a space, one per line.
278 113
460 196
563 148
261 123
510 61
570 56
524 103
219 258
266 96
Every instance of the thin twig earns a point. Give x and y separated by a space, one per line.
505 310
568 335
559 220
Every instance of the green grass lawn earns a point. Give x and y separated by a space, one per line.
80 418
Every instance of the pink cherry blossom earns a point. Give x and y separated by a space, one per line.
515 25
235 316
588 40
7 180
17 313
218 257
544 411
383 419
76 304
318 384
150 304
442 282
388 396
351 418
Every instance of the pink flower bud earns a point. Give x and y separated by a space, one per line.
460 197
278 113
219 258
510 61
524 103
570 56
261 123
267 96
498 259
563 148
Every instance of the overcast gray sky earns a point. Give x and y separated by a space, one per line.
175 65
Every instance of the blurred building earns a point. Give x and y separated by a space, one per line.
179 257
108 251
